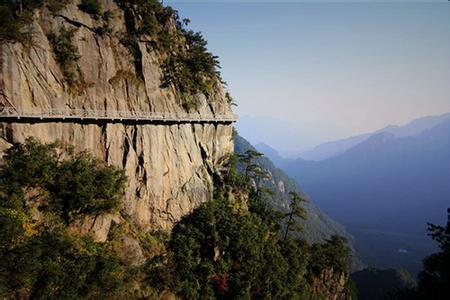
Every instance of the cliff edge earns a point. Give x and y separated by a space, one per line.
113 58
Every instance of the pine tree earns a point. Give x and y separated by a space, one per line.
296 211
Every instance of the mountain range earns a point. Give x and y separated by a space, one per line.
289 138
334 148
384 187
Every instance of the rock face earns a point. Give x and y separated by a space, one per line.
169 167
331 285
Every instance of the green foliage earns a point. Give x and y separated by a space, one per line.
230 99
221 250
189 104
92 7
105 28
192 69
13 224
56 5
258 204
188 66
57 265
251 169
225 250
86 186
95 9
42 189
16 18
66 54
296 211
15 21
334 253
70 187
434 279
234 177
143 18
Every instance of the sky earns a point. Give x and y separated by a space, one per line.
348 67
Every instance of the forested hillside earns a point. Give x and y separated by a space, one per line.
317 225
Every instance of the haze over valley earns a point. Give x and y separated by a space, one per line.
384 187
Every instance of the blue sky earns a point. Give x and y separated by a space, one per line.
351 67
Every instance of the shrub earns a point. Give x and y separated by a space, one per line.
66 54
15 26
144 17
230 99
16 18
188 66
56 5
58 265
190 105
334 253
78 185
192 70
106 26
92 7
85 185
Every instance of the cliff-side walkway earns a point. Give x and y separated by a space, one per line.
12 115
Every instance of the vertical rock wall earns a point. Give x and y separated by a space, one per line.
170 167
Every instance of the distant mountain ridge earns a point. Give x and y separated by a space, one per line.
334 148
271 153
288 137
385 189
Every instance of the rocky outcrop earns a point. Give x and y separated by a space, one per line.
170 168
331 285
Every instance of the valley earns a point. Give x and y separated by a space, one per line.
384 187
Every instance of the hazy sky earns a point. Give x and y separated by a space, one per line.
351 66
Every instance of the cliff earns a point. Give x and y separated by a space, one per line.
170 168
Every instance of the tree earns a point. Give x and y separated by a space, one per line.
36 175
221 250
43 188
434 279
57 265
296 211
247 159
